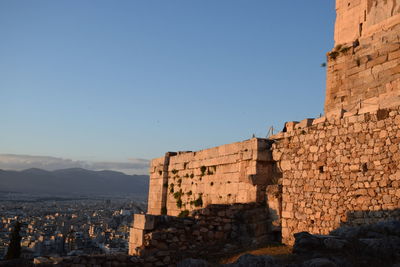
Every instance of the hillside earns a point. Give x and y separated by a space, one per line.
73 181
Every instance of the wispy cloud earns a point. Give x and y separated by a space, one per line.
22 162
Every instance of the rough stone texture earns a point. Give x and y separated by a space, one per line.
143 221
274 204
233 173
206 231
340 172
335 171
368 245
158 184
364 67
340 169
361 18
136 239
254 261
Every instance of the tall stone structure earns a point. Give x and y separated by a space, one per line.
364 66
363 18
316 175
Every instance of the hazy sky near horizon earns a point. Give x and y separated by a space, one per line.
109 81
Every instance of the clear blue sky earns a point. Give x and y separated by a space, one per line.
112 80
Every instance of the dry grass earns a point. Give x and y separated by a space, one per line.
278 251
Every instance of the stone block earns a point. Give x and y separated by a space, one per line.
285 165
136 237
335 114
290 126
144 221
350 114
287 214
157 162
390 102
319 120
277 136
228 168
227 159
304 124
213 161
225 150
248 155
368 109
212 152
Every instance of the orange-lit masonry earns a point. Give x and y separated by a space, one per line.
316 175
364 67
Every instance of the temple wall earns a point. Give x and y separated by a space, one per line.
361 18
339 171
364 67
228 174
165 240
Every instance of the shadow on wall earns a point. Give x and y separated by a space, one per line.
216 229
365 217
273 178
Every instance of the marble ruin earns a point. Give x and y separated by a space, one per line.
228 174
316 175
363 70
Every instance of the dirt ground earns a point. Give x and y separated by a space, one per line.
280 252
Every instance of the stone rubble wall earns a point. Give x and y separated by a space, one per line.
165 240
228 174
339 171
364 71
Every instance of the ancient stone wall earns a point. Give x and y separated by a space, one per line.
339 171
361 18
165 240
364 67
233 173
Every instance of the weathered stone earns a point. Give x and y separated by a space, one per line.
306 242
337 170
42 260
143 221
252 260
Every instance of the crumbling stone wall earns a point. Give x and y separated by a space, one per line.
337 169
232 173
165 240
364 67
341 171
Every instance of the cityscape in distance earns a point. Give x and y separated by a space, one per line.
70 211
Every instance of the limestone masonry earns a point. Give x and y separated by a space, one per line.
164 240
233 173
340 172
364 67
316 175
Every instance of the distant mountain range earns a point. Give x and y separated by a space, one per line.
73 181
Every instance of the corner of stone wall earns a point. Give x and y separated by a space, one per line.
142 223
